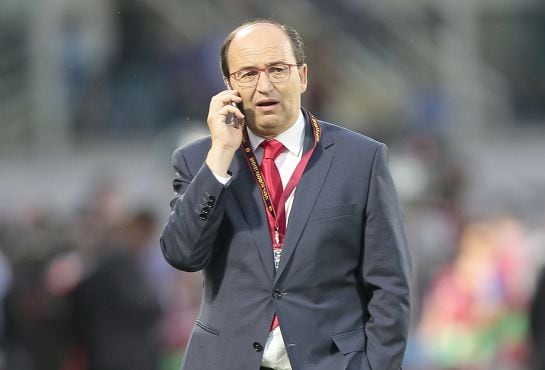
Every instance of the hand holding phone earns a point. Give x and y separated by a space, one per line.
231 118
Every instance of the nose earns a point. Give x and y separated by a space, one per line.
263 82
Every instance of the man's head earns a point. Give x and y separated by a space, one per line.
262 48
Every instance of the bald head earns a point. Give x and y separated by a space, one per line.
295 40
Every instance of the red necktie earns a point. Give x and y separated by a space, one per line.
271 176
271 150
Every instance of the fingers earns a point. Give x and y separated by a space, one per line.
223 110
220 116
224 98
231 109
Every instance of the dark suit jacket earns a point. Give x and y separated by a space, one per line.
341 291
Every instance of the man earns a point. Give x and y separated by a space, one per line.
309 274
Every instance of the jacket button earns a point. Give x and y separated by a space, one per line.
211 198
203 216
205 210
210 203
277 294
258 347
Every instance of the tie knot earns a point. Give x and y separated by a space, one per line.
272 149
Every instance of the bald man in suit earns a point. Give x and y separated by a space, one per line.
314 279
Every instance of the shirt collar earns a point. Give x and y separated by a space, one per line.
292 138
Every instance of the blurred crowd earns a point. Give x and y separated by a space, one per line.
481 308
479 270
90 291
85 287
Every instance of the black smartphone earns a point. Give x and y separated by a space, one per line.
231 118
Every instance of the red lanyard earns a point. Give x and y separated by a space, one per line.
292 183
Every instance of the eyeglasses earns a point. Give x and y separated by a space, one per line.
279 72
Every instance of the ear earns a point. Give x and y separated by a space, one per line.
303 76
226 82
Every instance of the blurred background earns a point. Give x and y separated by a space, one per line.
96 94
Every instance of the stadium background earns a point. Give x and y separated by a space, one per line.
96 94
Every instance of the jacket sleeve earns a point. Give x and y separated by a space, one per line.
188 240
386 270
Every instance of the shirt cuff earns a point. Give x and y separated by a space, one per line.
221 179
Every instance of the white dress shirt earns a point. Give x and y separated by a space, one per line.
274 354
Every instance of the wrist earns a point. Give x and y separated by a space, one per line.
219 160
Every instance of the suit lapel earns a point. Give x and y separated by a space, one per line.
306 194
249 198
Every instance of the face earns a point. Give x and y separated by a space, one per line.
269 108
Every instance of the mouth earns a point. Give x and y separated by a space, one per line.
267 103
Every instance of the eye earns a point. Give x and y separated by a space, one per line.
278 68
247 74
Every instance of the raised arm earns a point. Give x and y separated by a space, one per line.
188 238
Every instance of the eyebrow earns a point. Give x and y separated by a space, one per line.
266 65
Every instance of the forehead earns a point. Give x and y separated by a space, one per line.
259 44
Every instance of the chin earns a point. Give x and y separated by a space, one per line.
267 127
270 130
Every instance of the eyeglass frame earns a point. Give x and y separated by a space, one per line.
264 70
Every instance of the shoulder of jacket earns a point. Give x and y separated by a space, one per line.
197 147
342 134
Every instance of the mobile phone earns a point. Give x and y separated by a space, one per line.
231 119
